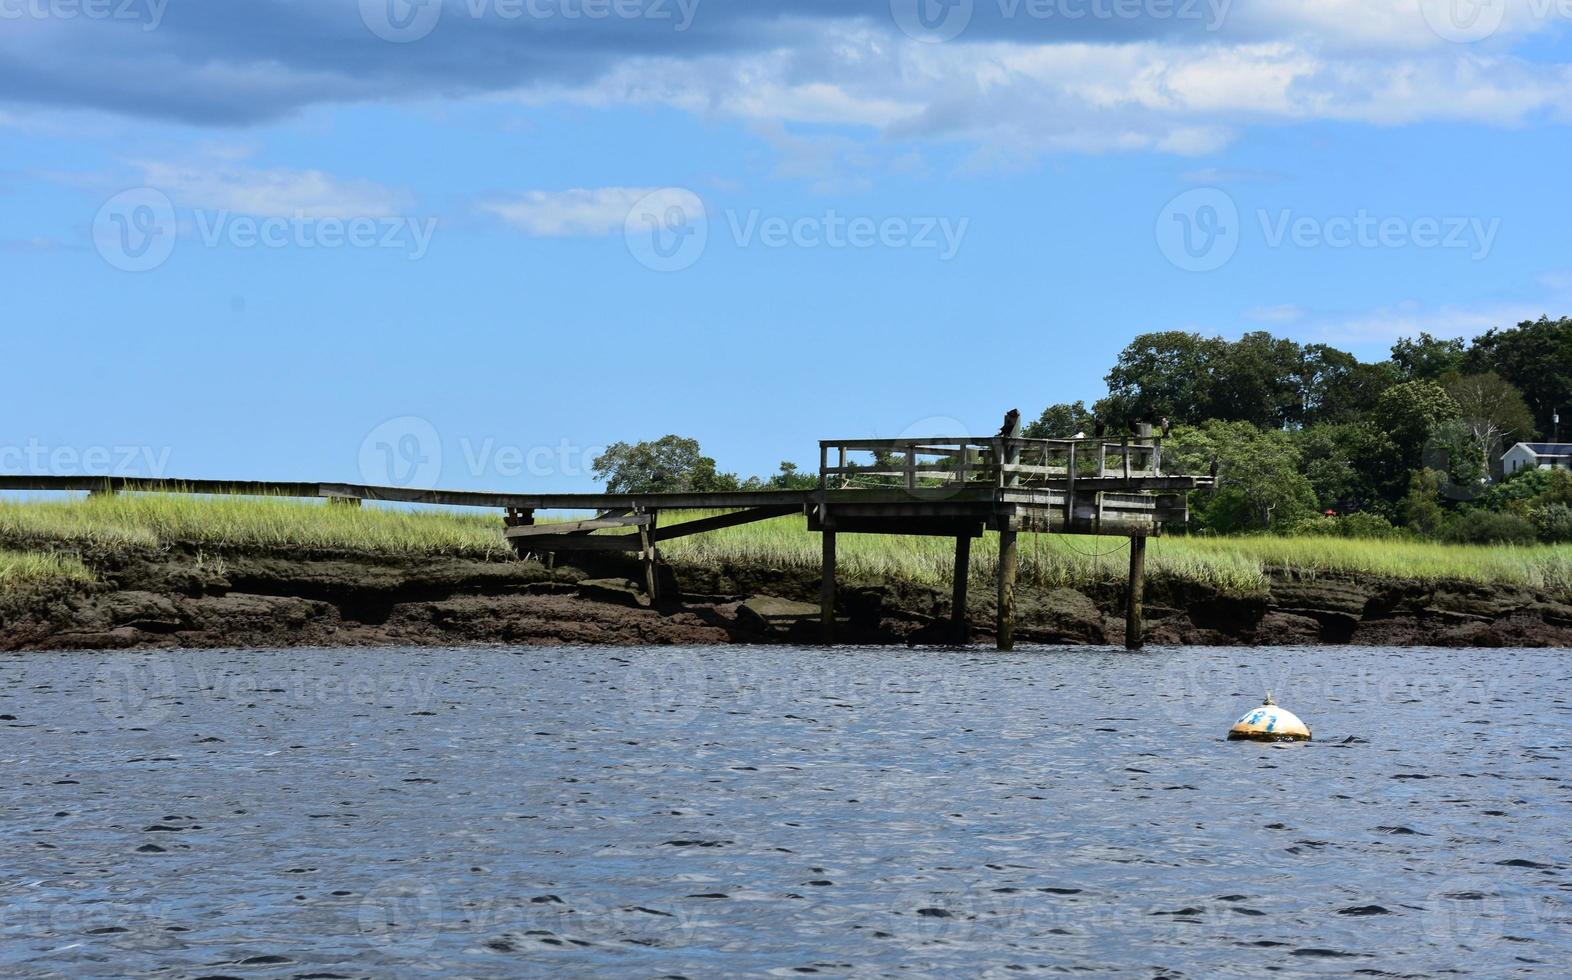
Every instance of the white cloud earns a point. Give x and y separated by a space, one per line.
1013 98
568 214
1379 328
224 184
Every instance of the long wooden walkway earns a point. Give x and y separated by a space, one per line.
956 487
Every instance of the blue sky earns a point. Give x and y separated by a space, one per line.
265 240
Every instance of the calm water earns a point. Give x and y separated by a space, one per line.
774 812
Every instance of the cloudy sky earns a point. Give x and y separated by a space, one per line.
470 241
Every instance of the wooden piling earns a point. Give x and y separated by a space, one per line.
827 590
1009 556
651 557
1134 624
963 564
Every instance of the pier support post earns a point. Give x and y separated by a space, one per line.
963 563
1009 556
827 590
651 557
1134 621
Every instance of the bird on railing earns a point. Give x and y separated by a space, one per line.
1012 424
1214 469
1100 429
1166 426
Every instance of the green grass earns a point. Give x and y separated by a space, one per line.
24 569
130 521
1238 565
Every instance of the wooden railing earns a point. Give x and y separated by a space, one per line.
960 461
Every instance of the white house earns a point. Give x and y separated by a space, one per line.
1537 455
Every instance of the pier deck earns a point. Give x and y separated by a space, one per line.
955 487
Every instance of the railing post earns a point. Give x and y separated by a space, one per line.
1069 491
911 466
824 466
1125 448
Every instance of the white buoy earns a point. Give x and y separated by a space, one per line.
1269 723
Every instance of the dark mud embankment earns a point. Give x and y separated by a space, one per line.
176 598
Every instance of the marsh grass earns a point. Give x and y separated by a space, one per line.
23 569
132 521
1234 565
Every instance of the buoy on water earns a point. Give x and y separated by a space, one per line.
1269 723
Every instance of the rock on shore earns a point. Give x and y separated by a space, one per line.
174 599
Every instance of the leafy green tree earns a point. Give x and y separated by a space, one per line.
1259 483
1257 380
1167 374
1536 357
789 478
1494 413
1421 508
1409 414
1428 358
1346 393
1344 463
670 464
1062 421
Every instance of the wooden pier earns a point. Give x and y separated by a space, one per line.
955 487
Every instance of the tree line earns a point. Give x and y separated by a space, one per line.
1307 438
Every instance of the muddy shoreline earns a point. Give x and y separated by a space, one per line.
182 597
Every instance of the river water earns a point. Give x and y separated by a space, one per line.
725 812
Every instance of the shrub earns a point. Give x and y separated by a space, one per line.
1363 524
1488 527
1554 523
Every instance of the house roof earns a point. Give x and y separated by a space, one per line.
1548 448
